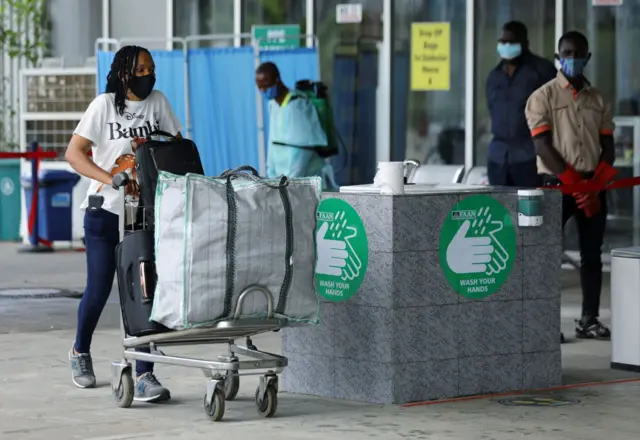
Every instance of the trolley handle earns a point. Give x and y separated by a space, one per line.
120 180
252 289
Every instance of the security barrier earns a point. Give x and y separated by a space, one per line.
35 155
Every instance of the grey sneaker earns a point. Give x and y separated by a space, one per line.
149 389
82 370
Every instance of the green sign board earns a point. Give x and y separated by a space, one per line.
477 246
279 36
342 250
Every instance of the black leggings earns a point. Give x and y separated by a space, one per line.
101 238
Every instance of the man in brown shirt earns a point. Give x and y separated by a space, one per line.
572 129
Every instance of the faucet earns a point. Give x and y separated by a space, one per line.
410 167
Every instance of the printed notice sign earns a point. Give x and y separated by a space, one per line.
349 13
430 56
607 3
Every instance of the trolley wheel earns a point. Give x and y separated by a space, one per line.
215 408
124 393
269 404
231 386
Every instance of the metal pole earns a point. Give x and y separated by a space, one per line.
387 84
559 27
390 20
310 21
636 172
170 30
262 150
469 90
187 97
106 22
35 233
237 22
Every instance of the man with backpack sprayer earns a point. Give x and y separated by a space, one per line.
302 135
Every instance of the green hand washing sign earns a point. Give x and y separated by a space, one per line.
279 36
477 246
342 250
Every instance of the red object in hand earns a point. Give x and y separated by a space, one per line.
605 173
589 203
570 176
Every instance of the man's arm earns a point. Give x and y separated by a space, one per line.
606 136
538 113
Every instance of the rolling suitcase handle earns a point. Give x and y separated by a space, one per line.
146 296
119 183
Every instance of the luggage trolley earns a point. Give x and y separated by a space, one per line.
224 372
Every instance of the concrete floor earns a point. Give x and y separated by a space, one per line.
37 400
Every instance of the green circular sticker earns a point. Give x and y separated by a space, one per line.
342 250
477 246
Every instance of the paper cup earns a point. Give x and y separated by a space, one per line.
390 176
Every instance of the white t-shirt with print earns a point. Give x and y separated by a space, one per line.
111 134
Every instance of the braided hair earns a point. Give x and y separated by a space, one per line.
122 73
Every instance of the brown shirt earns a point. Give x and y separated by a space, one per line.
575 119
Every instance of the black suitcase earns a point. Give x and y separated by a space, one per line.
177 156
136 272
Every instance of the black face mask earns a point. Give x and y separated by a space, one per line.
142 86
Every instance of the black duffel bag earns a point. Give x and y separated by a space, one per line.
176 156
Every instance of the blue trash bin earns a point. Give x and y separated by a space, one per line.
55 202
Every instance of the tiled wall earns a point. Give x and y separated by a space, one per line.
407 336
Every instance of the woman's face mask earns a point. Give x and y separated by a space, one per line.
142 86
270 93
509 51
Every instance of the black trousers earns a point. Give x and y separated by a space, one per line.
101 236
590 236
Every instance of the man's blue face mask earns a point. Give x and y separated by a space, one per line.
270 93
573 67
509 51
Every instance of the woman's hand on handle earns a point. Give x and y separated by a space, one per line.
76 155
136 142
132 188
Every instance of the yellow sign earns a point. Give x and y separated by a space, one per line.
430 56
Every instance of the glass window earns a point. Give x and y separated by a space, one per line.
203 17
490 16
349 67
273 12
611 31
343 40
430 124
